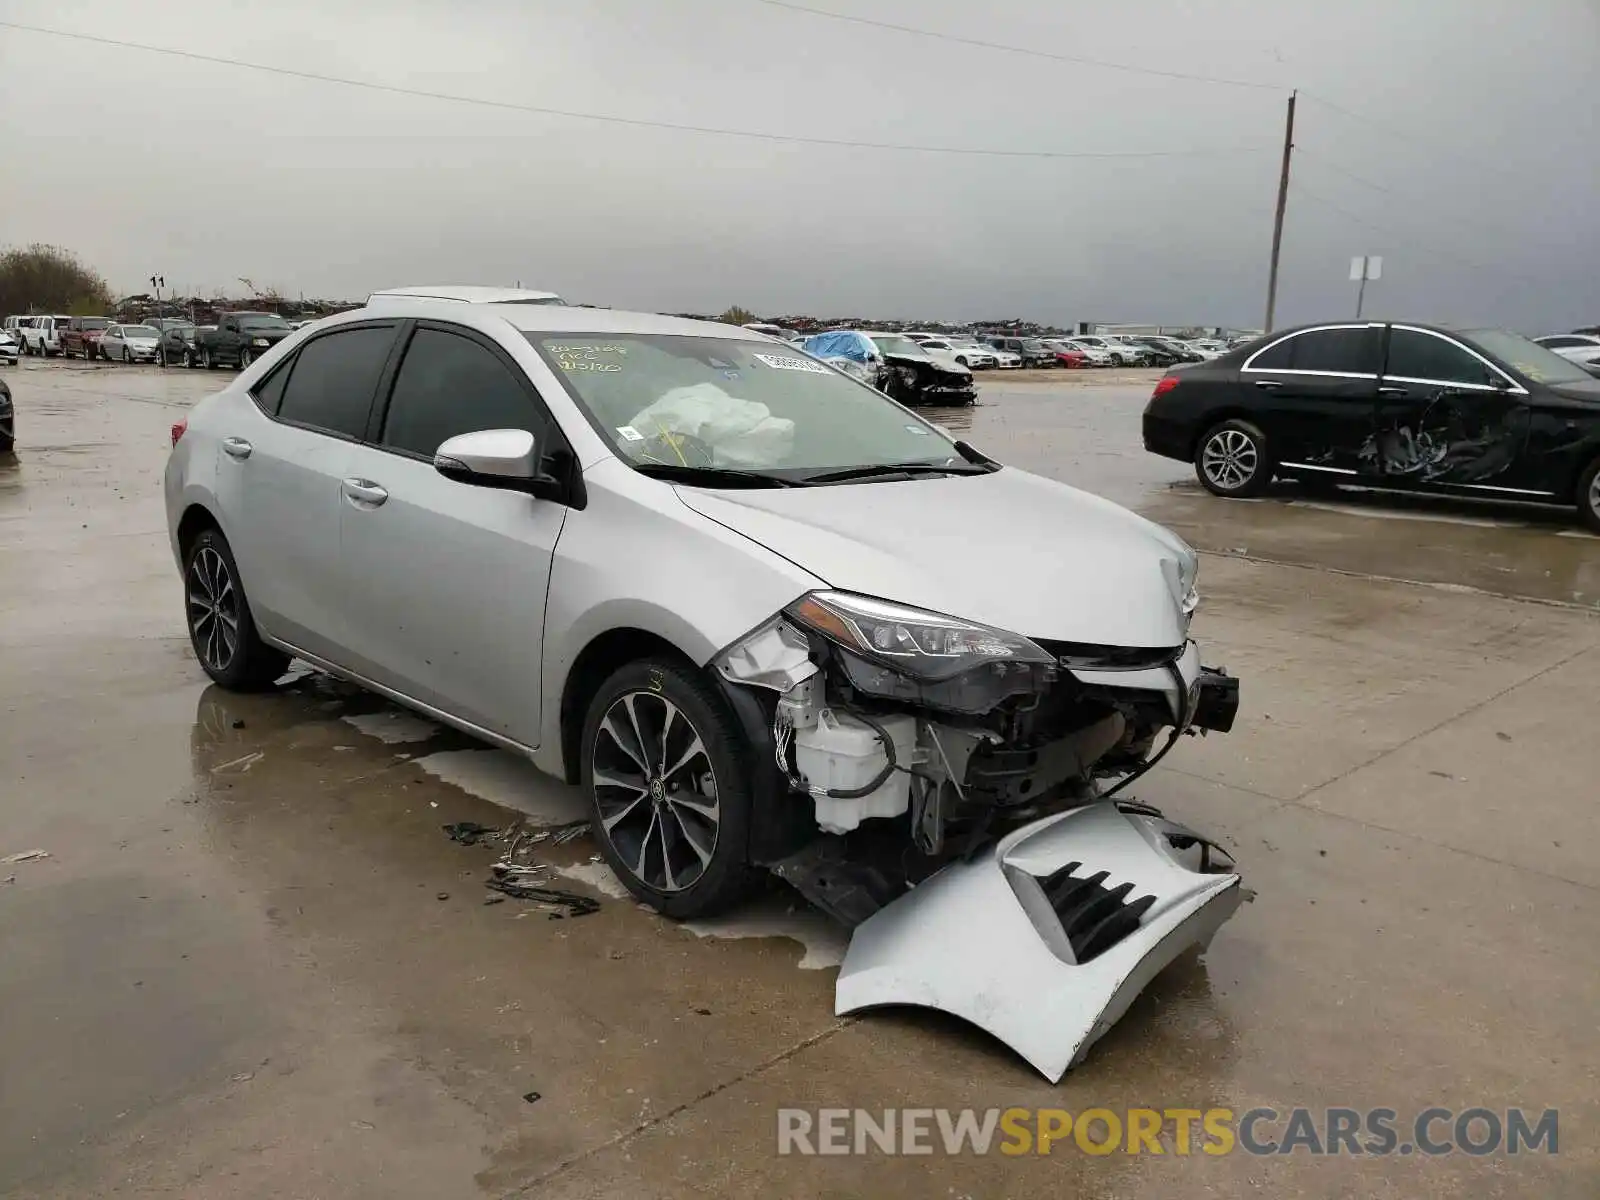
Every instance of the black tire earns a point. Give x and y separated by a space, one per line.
189 361
7 443
674 696
244 357
206 361
1233 459
1589 496
214 604
126 357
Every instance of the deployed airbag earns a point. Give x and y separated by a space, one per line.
1045 939
740 433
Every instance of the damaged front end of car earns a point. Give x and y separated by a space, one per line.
961 782
919 380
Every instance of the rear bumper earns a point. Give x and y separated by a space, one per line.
1166 437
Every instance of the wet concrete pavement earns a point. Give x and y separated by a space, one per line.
235 976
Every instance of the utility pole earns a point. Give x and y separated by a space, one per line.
1277 220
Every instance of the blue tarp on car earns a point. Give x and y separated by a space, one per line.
841 344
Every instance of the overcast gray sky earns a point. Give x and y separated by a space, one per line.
1478 178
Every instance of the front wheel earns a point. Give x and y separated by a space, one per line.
126 357
1232 460
206 361
221 627
1589 496
245 358
664 768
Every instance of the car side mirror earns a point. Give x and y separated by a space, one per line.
505 459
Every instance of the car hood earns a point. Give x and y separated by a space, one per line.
927 363
1587 392
272 335
1010 549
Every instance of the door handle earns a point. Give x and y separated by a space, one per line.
364 491
1393 392
1268 385
236 447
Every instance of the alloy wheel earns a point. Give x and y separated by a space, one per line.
1594 495
1230 459
655 791
213 609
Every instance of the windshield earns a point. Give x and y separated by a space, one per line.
138 331
1032 344
899 345
1528 358
95 323
733 403
265 321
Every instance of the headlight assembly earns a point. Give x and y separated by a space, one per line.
904 653
259 342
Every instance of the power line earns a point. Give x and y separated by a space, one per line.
1476 226
1410 238
636 122
1080 60
1429 144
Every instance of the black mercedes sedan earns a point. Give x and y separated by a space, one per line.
1479 412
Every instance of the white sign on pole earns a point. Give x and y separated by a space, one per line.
1366 266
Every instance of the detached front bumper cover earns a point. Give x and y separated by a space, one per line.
1045 939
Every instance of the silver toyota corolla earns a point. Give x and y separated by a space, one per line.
769 619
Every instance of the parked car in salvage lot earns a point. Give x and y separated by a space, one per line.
81 337
10 347
505 517
42 336
178 346
8 420
1480 412
239 338
129 343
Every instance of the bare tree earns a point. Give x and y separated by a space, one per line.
40 278
737 316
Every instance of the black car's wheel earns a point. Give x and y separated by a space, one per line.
245 357
221 628
669 793
189 360
206 361
1232 459
1589 495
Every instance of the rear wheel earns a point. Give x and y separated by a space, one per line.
221 627
206 360
664 768
1232 459
1589 495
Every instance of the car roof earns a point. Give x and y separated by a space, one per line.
546 318
467 294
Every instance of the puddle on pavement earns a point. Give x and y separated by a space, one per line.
393 726
781 915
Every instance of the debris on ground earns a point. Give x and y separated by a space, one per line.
574 904
530 1097
570 833
238 723
470 833
442 896
517 874
23 856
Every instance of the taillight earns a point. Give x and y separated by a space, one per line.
1164 385
179 429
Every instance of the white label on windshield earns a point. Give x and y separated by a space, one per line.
629 433
781 362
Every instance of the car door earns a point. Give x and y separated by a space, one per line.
1313 392
1448 416
283 457
449 580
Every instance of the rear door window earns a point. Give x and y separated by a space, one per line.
1347 350
334 377
1415 354
450 384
